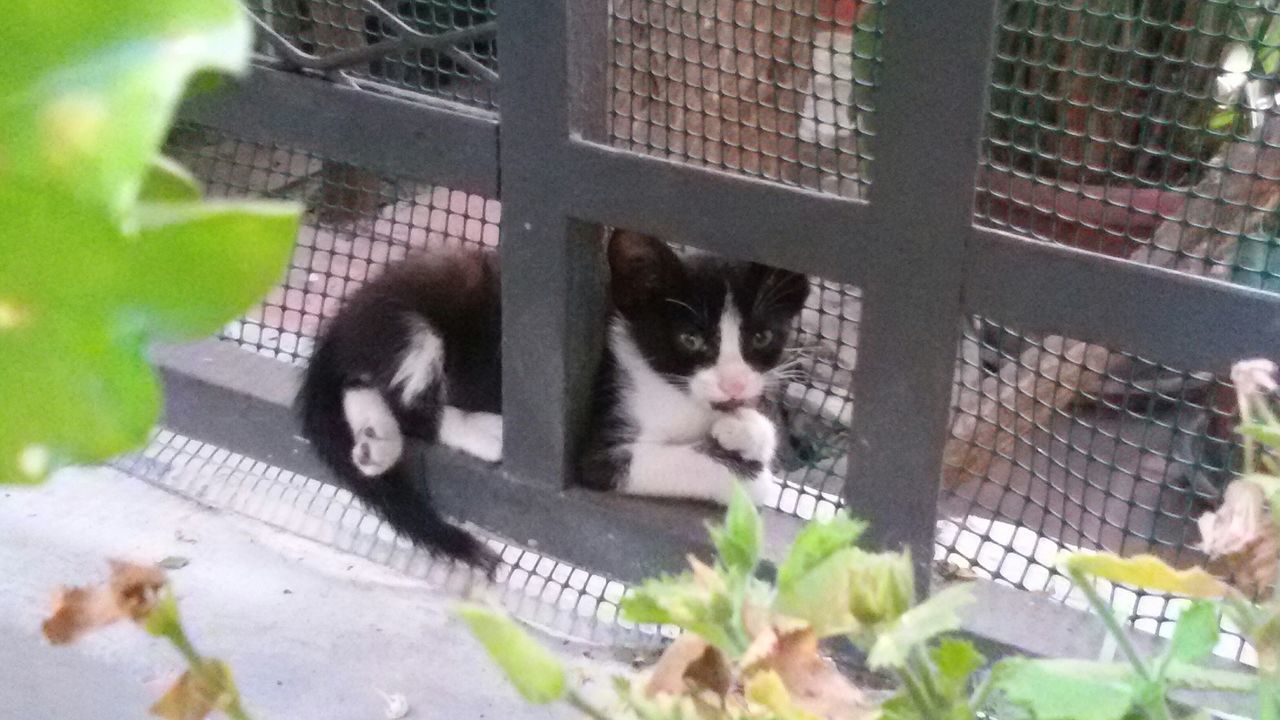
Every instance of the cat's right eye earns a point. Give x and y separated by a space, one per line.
691 342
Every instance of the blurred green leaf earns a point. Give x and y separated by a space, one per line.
1196 633
1064 689
817 541
1223 119
738 541
937 615
956 661
682 602
163 620
166 180
851 591
89 275
537 675
1268 435
1148 572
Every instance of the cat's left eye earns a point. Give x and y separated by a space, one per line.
762 339
691 342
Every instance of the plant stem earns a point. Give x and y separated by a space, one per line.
918 695
924 670
1108 617
978 699
584 706
178 638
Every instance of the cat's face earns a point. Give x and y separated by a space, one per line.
716 330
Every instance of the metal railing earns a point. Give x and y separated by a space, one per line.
636 115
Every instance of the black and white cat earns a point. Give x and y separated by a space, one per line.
694 344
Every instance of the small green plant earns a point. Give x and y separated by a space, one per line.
751 648
105 245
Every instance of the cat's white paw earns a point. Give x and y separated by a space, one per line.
478 434
765 489
377 449
747 433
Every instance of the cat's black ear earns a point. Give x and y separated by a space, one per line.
786 290
641 268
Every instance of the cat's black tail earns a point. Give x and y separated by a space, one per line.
403 503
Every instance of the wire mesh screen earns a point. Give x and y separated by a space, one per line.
561 598
356 222
816 402
778 90
1059 444
444 48
1145 130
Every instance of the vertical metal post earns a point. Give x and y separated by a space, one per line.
929 104
552 293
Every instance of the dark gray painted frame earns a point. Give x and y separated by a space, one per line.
912 247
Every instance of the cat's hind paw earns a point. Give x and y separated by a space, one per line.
373 453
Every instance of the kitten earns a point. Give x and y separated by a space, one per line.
693 345
416 353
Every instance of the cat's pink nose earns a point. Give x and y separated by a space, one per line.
734 386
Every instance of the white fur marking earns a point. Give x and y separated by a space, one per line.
730 369
421 362
682 471
478 434
377 440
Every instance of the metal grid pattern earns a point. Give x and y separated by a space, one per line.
1057 445
817 403
778 90
1140 130
444 48
356 222
554 595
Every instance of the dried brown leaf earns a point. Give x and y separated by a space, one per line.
690 664
136 588
196 695
131 593
813 682
1241 540
77 611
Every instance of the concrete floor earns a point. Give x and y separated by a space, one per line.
311 633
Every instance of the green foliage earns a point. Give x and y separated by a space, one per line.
1196 633
1065 689
914 628
536 674
738 540
106 247
817 541
680 600
852 591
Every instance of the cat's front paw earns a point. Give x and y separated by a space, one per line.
376 450
746 433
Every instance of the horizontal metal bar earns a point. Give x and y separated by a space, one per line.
733 215
1168 317
431 141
